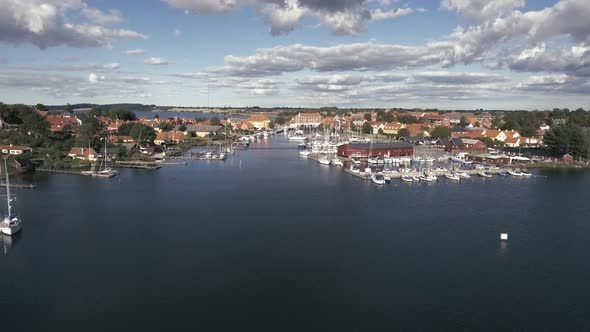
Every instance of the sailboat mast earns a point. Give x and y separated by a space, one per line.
7 190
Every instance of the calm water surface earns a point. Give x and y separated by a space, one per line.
284 244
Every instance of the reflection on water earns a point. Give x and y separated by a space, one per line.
503 248
9 242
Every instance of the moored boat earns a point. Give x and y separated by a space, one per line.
378 178
452 176
485 174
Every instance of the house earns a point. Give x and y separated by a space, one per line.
377 125
417 129
15 149
259 121
22 165
568 158
465 145
83 154
512 142
62 124
393 128
169 137
306 119
489 159
441 143
376 149
204 131
121 139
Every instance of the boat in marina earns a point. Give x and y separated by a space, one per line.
336 162
526 174
302 145
11 223
355 170
407 178
503 173
485 174
378 179
296 136
304 153
387 178
452 176
463 175
355 161
324 161
427 177
514 172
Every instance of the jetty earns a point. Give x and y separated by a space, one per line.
137 165
19 186
59 171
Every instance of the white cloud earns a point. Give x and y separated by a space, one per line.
135 51
93 78
482 10
47 23
156 61
342 17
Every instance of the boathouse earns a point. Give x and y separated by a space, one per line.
363 150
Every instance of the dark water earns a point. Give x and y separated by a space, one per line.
284 244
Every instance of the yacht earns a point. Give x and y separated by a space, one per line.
407 178
525 174
296 136
378 178
463 175
452 176
372 161
354 169
514 172
485 174
387 178
304 153
336 162
11 223
355 161
324 161
503 173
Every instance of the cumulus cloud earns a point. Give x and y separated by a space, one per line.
135 51
47 23
345 57
342 17
93 78
156 61
482 10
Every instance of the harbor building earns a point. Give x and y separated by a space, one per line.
365 150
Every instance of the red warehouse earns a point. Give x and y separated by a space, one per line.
394 149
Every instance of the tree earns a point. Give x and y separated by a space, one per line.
142 132
68 108
165 126
215 121
368 117
463 119
88 130
367 128
407 119
441 132
41 108
124 115
404 132
182 128
34 124
572 139
385 116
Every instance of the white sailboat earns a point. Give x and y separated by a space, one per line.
11 223
104 170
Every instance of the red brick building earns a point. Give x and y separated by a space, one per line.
395 149
465 145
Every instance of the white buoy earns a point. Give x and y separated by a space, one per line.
504 236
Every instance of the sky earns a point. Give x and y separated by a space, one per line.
446 54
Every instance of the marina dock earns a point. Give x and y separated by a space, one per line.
137 165
19 186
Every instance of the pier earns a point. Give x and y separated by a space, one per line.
59 171
19 186
137 165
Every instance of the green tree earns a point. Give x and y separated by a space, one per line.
404 132
41 108
34 124
407 119
165 126
87 131
142 133
68 108
368 117
385 116
441 132
182 128
367 129
568 138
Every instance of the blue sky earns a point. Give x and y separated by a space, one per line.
448 54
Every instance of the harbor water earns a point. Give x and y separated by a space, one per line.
271 241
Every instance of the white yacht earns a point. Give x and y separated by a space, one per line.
378 179
452 176
463 175
514 172
11 223
485 174
324 161
336 162
296 136
304 153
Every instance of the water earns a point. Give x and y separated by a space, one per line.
284 244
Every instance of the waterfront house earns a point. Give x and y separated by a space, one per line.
169 137
306 119
83 154
14 149
489 159
442 142
363 150
204 131
465 145
259 121
568 158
